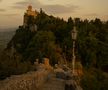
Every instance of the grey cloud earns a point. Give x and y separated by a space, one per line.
91 14
10 15
60 8
20 5
23 4
49 8
14 14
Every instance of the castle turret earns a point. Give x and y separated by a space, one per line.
30 8
29 13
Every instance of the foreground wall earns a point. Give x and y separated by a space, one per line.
29 81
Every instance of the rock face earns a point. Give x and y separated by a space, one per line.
29 81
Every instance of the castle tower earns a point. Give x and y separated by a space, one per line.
29 12
30 8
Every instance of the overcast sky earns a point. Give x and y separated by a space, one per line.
11 11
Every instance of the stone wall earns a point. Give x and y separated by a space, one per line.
29 81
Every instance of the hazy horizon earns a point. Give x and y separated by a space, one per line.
11 12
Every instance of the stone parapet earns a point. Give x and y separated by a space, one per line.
29 81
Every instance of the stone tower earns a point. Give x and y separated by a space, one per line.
33 14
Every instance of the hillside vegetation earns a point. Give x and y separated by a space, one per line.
53 40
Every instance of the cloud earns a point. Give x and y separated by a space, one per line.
2 10
20 5
91 14
60 8
55 9
23 4
14 14
9 15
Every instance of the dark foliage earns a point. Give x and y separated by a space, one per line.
53 40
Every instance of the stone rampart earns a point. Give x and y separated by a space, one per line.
29 81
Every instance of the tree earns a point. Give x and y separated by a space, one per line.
43 45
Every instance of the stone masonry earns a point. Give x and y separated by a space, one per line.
29 81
